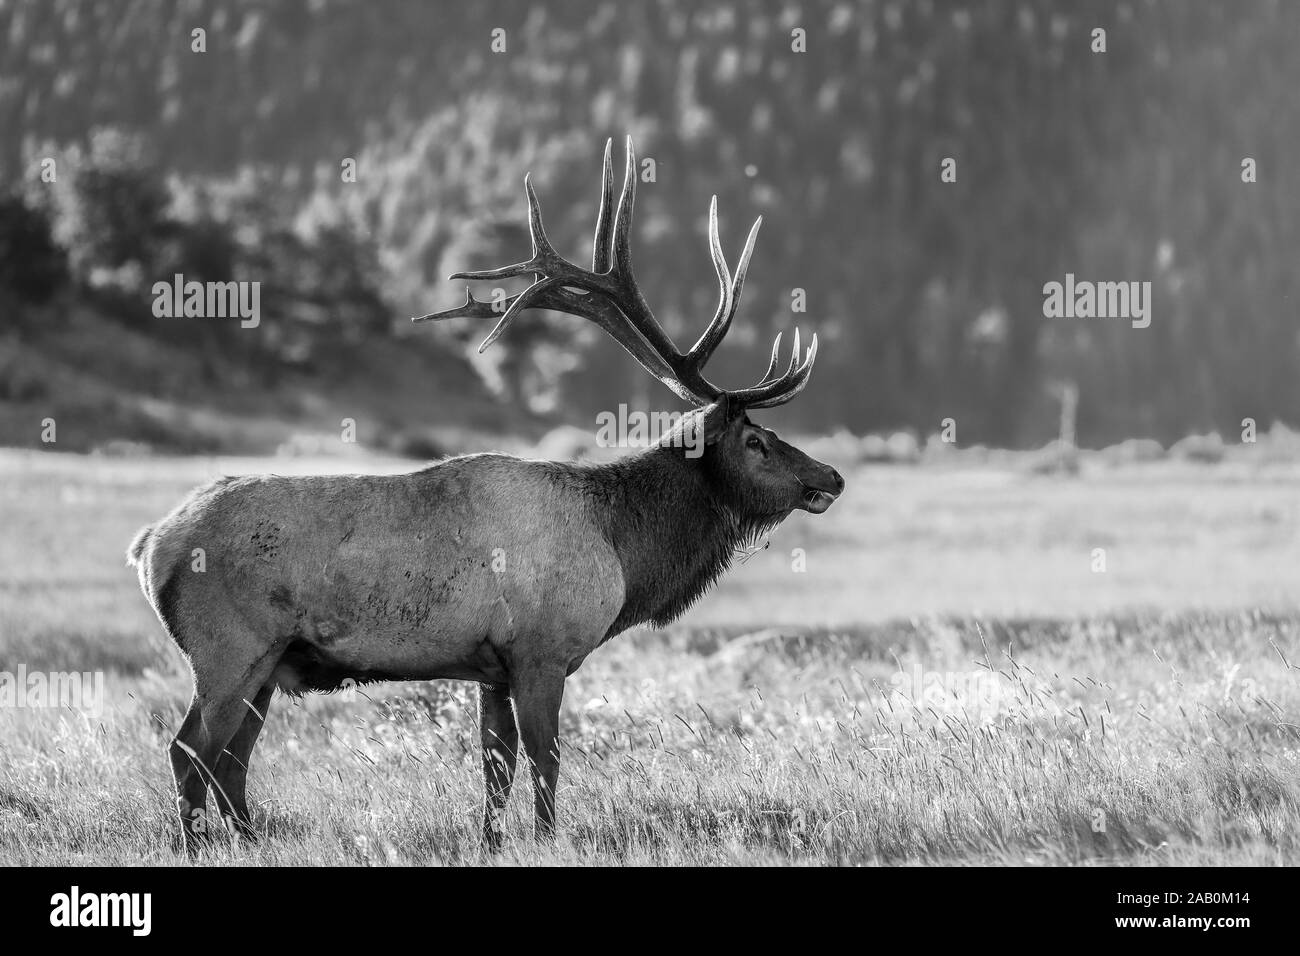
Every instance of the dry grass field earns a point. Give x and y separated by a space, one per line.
948 679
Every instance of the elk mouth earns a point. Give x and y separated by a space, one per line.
816 501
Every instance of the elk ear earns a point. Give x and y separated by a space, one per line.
716 418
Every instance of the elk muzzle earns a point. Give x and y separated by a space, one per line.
821 486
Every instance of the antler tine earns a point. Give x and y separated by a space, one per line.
526 299
623 218
472 308
717 328
719 262
794 355
778 391
729 298
600 258
621 287
544 259
477 309
770 374
511 271
543 253
742 268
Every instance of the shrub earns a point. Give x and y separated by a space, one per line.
32 266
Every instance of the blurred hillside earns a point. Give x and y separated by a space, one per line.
82 345
225 164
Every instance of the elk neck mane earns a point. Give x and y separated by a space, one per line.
674 525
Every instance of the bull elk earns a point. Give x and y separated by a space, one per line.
314 581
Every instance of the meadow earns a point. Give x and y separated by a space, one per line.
937 671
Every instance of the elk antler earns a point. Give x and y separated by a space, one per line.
609 296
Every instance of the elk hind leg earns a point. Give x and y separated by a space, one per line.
221 686
232 766
537 704
500 747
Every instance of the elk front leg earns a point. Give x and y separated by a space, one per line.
500 735
537 705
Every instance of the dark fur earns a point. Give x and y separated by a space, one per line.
675 523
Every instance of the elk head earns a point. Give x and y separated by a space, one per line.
748 465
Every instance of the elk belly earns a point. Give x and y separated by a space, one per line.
409 625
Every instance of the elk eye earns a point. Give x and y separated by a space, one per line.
755 444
